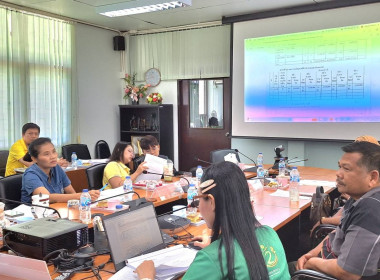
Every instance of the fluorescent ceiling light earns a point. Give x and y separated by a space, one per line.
140 7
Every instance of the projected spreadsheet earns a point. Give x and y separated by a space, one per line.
319 76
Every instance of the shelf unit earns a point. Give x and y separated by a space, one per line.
163 119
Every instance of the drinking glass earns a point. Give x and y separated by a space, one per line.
73 210
150 191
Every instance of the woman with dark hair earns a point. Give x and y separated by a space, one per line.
116 170
45 176
240 247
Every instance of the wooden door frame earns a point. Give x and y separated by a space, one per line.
195 134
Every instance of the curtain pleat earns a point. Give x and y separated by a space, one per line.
37 64
187 54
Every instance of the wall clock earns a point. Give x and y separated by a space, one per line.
153 77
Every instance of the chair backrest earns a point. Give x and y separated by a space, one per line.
10 188
307 274
102 150
95 176
218 155
80 149
3 161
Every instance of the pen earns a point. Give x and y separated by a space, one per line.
103 187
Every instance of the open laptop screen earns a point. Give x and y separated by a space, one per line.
132 233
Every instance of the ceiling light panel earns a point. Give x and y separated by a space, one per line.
140 7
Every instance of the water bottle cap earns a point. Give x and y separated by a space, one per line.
199 166
74 153
259 165
260 153
85 190
192 185
294 167
282 158
119 206
127 177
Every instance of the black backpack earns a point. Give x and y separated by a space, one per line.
320 205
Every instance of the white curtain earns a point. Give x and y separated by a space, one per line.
36 77
187 54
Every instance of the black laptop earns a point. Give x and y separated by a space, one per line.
132 233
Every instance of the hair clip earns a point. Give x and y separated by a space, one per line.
207 185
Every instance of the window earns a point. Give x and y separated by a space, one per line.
36 64
206 103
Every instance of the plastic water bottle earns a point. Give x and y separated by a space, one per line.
261 174
260 159
128 187
191 192
294 185
199 174
84 207
74 159
281 167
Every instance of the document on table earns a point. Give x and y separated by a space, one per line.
111 192
155 165
282 193
168 262
318 183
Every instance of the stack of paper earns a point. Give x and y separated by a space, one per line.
168 263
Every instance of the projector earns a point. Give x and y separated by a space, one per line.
40 237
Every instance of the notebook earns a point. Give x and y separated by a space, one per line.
132 233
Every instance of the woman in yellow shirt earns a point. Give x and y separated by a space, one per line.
116 170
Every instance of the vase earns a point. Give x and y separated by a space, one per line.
135 102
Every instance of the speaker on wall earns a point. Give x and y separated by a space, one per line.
119 43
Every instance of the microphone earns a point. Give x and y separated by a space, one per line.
306 159
120 194
172 211
31 205
148 172
201 160
236 150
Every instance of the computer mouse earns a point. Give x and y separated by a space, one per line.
192 246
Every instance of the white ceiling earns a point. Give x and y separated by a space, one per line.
200 11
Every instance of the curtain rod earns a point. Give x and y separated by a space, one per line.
20 8
175 28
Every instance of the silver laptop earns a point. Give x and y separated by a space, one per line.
132 233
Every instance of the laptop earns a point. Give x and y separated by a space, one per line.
132 233
16 268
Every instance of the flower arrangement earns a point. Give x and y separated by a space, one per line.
154 98
131 90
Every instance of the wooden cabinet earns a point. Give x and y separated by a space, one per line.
140 120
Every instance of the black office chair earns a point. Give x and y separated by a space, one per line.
102 150
218 155
80 149
307 274
10 188
3 161
95 176
319 233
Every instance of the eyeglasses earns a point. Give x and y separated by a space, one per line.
204 187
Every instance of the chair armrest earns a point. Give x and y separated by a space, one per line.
320 232
310 274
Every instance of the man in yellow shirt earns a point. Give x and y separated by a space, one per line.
30 132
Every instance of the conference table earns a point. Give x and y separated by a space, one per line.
274 211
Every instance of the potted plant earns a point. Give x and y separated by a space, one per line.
133 91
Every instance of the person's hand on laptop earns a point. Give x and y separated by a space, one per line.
203 240
146 270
